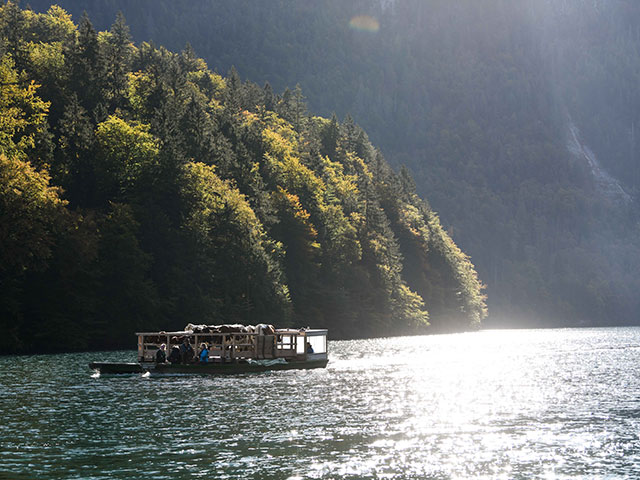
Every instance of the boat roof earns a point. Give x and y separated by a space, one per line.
279 331
316 331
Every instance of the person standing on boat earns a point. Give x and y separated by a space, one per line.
186 351
161 354
204 353
174 356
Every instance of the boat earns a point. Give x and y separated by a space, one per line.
232 349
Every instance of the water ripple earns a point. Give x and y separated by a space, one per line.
495 404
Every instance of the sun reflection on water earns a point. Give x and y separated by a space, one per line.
495 404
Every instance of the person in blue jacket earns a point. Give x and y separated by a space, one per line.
204 353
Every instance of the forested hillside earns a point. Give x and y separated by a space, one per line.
141 191
519 121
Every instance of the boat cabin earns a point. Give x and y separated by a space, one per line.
232 343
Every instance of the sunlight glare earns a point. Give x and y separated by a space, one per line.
364 23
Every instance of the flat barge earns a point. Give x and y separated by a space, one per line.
230 349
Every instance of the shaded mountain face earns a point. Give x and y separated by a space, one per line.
518 120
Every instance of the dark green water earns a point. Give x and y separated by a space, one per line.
495 404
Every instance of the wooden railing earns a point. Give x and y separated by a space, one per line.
222 345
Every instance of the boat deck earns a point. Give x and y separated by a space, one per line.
215 368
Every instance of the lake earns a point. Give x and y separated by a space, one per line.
519 404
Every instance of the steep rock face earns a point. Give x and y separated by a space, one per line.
609 187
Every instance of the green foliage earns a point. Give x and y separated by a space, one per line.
189 197
126 158
22 113
129 299
224 235
31 212
30 206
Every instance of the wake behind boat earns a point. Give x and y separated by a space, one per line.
224 349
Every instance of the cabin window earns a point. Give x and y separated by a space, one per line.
286 342
318 343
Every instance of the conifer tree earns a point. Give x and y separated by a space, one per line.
87 69
117 54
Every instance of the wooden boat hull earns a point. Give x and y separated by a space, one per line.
200 369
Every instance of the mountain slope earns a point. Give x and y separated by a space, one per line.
476 99
139 190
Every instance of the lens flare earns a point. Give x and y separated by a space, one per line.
364 23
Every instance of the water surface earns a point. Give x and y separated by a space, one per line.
495 404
